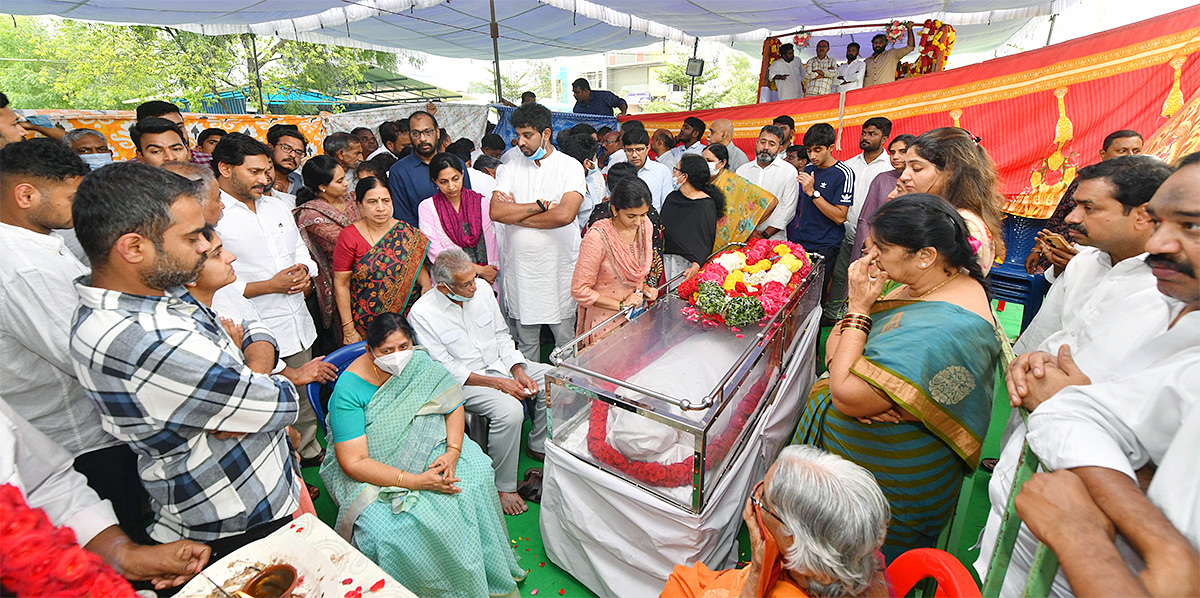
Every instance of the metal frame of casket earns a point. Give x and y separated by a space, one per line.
719 420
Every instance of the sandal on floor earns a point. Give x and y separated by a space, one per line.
530 488
313 492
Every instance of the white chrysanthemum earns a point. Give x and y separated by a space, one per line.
734 260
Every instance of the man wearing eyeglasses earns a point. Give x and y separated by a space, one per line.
408 179
288 144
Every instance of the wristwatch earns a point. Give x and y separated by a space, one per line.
816 193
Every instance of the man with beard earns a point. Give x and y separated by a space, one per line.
872 162
168 380
776 176
880 67
787 73
537 198
688 142
274 263
1110 218
850 74
38 179
287 150
158 140
366 138
1117 413
408 179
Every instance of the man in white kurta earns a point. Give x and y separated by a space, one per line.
850 73
787 73
538 200
1111 219
461 325
1118 400
776 176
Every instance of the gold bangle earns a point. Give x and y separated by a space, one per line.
457 447
400 479
347 324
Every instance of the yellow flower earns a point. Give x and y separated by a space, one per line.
732 279
782 249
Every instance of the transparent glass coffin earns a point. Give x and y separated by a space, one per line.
668 403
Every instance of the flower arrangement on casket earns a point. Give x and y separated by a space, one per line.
39 559
738 287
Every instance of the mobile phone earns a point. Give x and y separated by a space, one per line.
1057 241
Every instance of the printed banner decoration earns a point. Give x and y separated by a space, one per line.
559 120
1041 114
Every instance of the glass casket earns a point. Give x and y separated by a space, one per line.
666 402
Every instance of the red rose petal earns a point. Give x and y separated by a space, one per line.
378 586
347 581
561 592
541 564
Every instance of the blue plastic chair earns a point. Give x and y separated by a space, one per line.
340 360
1010 282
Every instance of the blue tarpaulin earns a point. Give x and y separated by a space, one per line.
561 121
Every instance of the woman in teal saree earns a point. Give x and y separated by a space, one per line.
413 493
909 390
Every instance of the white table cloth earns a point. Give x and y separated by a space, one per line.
622 541
329 565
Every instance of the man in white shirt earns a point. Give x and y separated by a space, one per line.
583 149
1110 217
721 131
636 144
537 198
850 74
821 71
461 325
777 177
688 139
41 471
873 161
38 179
787 73
1138 354
389 132
273 261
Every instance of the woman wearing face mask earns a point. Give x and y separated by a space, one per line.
690 214
746 205
414 494
909 390
378 262
458 217
951 164
323 212
615 258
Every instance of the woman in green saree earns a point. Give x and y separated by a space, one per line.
414 494
909 390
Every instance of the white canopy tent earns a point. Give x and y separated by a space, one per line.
534 29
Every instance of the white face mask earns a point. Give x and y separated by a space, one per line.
394 363
96 160
713 169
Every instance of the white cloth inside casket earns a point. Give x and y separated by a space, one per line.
690 370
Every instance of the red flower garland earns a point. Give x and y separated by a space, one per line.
38 559
674 474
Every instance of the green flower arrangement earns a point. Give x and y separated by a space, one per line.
711 298
741 311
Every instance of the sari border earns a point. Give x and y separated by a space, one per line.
913 399
357 274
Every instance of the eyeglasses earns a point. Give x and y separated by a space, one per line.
758 503
430 133
287 149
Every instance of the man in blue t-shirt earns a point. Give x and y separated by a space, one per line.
826 194
595 101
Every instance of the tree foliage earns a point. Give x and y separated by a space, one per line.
730 81
535 78
72 64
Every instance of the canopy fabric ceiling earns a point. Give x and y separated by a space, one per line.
533 28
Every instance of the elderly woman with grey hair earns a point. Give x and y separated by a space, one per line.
816 523
460 324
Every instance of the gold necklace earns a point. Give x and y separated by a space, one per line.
367 228
930 291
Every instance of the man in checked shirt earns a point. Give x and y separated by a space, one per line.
209 432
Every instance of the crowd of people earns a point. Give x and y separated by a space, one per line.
162 316
822 74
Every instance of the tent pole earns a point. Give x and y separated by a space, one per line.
262 108
495 30
692 89
1050 34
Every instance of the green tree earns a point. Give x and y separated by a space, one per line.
726 82
535 77
72 64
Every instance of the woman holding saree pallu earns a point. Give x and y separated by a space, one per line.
909 390
746 205
414 494
378 263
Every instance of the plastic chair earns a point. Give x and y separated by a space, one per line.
340 359
953 579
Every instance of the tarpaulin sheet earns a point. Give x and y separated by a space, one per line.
560 121
1041 114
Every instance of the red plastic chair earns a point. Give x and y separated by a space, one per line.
953 579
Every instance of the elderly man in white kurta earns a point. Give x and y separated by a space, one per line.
461 325
1117 399
537 198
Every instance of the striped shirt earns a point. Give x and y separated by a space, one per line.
164 374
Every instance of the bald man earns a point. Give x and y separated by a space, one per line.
662 142
721 131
